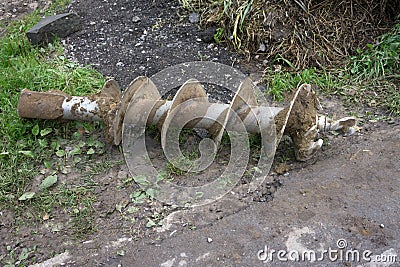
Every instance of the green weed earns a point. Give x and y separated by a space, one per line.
33 147
219 35
379 60
371 77
16 256
375 72
187 161
279 82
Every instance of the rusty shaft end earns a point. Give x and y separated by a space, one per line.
59 105
43 105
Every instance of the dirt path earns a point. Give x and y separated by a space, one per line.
350 194
351 191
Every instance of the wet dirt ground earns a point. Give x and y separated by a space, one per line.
350 191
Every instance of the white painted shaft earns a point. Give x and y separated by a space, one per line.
80 108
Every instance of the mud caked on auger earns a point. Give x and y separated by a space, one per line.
142 101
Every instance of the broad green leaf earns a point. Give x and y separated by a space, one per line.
81 144
132 209
141 179
161 176
55 145
45 132
48 182
47 164
35 130
98 144
27 153
43 143
257 169
26 196
60 153
135 194
151 192
141 198
120 206
24 254
199 195
138 197
150 223
75 151
76 160
90 151
76 135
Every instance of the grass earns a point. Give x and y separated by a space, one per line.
375 72
279 82
30 148
371 78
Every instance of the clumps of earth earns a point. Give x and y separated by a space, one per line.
305 33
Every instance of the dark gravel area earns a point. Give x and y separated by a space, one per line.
124 39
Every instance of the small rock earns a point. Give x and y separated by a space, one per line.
382 225
120 64
122 174
208 35
182 263
209 239
135 19
262 47
48 28
353 229
194 17
202 133
33 5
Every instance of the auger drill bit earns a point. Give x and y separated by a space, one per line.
189 108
